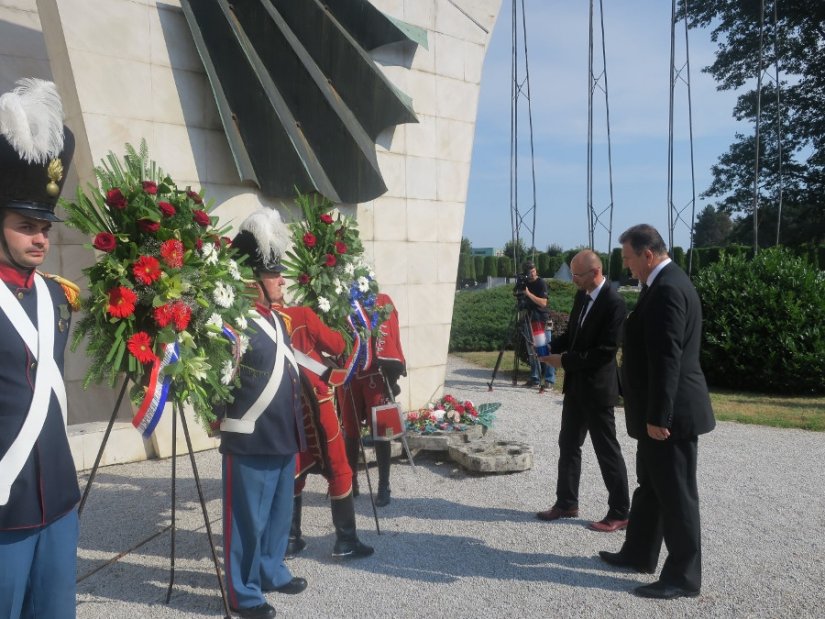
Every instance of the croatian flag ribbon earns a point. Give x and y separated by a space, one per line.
539 338
157 392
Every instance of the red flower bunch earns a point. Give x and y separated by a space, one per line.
167 209
201 218
146 269
310 240
150 187
105 241
122 302
171 252
194 196
340 247
303 279
148 226
326 218
140 346
116 199
330 260
177 313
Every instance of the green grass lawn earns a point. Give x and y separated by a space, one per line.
806 413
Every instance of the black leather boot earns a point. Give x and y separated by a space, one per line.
382 458
347 544
353 453
296 542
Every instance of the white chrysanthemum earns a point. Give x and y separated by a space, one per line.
349 269
438 413
372 274
216 321
223 295
234 271
227 372
209 253
363 284
241 323
243 343
323 304
339 287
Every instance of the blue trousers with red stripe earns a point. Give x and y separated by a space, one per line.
38 569
257 513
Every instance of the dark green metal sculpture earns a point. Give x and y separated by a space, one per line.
301 101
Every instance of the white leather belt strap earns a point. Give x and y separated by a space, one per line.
246 424
47 379
308 363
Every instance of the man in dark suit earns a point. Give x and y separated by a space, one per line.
667 407
587 352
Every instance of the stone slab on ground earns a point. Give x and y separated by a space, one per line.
441 440
486 456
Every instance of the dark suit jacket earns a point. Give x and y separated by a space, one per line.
662 381
590 359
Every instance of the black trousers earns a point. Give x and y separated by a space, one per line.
666 506
577 418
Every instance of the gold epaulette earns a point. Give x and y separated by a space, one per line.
284 316
70 289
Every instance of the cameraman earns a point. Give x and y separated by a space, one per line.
534 300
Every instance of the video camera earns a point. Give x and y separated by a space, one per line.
519 289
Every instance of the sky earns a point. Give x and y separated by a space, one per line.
637 44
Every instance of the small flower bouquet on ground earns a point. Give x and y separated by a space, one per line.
448 414
165 295
328 272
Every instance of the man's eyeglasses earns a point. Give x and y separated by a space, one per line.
579 275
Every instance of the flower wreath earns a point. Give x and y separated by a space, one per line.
448 414
163 292
329 275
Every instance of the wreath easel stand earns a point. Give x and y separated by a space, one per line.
176 412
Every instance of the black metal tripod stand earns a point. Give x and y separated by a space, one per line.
520 337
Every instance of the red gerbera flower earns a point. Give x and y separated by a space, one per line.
198 243
163 315
194 196
330 260
340 247
150 187
310 240
146 269
140 346
171 252
303 279
121 302
181 314
201 218
167 209
115 198
326 218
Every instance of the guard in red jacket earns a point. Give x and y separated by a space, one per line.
368 388
326 450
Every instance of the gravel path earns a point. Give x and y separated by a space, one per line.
457 545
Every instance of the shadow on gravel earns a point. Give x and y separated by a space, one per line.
432 558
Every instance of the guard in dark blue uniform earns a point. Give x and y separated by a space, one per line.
261 433
38 483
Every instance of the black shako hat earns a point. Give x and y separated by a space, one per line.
263 239
36 149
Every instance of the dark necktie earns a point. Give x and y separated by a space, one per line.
643 292
587 301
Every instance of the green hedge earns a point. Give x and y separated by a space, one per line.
482 320
764 323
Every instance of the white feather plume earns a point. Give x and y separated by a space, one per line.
270 232
31 119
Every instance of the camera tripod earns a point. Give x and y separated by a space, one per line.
520 337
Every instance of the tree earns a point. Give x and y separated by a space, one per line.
466 246
521 253
554 249
712 228
801 134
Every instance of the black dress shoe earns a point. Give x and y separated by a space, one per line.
296 585
662 591
262 611
619 560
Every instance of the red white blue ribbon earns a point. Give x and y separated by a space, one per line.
157 392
